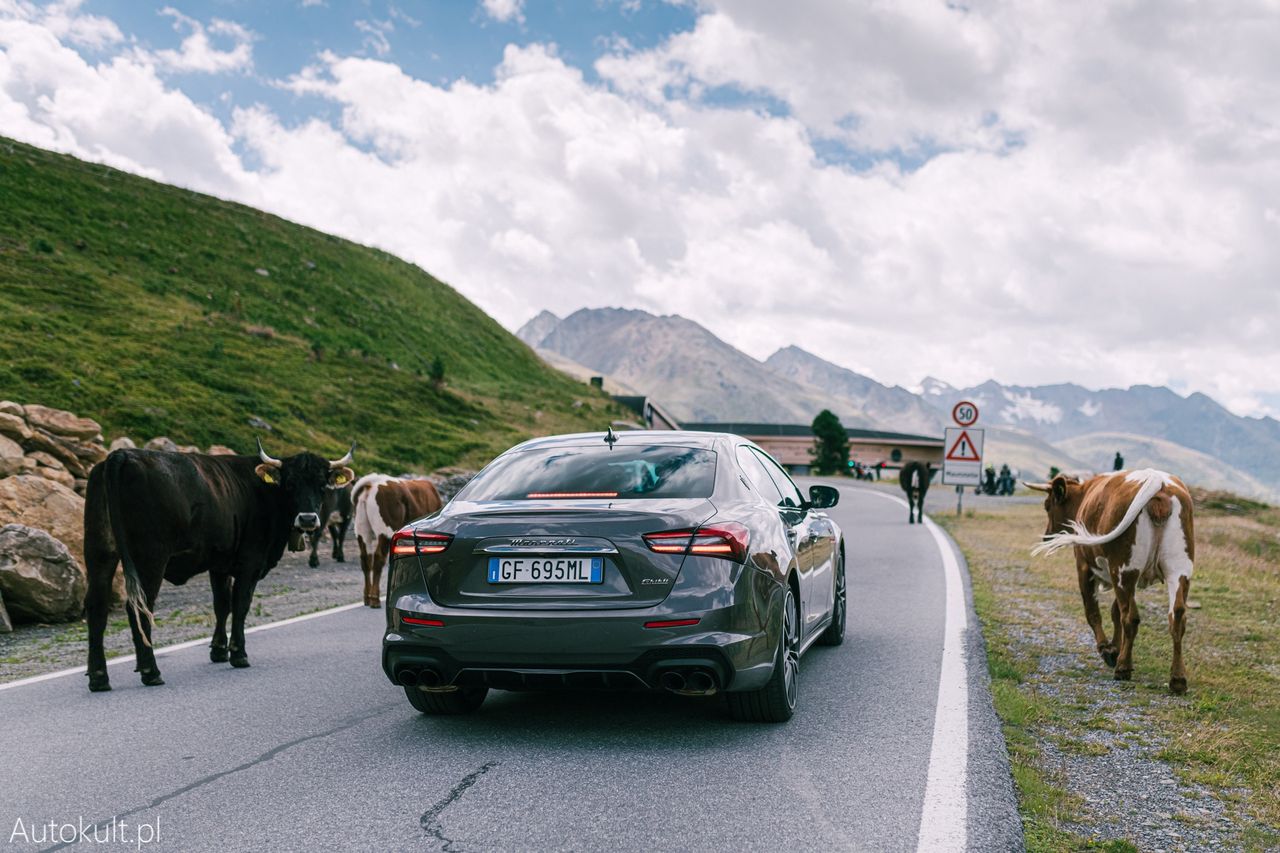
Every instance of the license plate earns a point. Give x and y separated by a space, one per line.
546 570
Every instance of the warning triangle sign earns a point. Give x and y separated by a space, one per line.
963 449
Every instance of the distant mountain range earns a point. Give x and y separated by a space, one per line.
699 377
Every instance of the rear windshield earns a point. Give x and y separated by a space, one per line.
596 472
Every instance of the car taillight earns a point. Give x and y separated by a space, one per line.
406 542
727 539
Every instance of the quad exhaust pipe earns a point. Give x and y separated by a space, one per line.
424 678
695 682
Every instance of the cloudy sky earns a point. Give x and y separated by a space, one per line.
1032 191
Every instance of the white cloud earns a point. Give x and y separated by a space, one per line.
198 53
504 10
1095 200
375 36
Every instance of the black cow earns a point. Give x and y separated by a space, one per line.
171 516
335 513
914 478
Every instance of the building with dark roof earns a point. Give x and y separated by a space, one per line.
792 444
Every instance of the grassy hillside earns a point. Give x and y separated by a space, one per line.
1194 467
157 310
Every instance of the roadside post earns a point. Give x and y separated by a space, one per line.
962 446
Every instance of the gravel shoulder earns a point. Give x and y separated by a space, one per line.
185 612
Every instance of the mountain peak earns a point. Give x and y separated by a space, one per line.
537 329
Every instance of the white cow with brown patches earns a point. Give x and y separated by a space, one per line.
1148 536
382 505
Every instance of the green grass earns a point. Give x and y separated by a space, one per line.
140 305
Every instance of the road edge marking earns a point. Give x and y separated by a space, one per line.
177 647
944 815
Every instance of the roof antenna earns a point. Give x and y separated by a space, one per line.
609 438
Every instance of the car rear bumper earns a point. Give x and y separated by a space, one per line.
583 649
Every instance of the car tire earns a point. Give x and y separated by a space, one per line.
776 701
834 635
461 701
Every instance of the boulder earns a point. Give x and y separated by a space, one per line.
10 449
58 475
40 580
59 422
8 407
14 426
220 450
57 447
46 460
161 442
36 502
10 466
123 443
6 624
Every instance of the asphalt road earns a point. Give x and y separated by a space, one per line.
312 748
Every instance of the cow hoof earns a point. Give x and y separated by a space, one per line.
314 562
1177 686
219 654
152 678
911 521
337 558
1123 674
99 682
240 661
1109 656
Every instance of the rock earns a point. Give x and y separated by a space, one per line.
220 450
46 460
258 423
161 442
9 407
40 580
57 447
10 449
36 502
10 466
14 426
122 443
6 624
59 422
58 475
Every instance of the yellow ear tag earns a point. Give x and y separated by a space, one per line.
267 478
340 480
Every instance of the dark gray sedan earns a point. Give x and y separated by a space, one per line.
687 562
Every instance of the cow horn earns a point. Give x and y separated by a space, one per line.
1037 487
344 461
269 460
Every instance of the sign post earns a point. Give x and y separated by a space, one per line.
962 449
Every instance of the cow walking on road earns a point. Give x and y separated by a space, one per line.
1149 536
914 479
335 514
382 506
171 516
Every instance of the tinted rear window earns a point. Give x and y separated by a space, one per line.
596 472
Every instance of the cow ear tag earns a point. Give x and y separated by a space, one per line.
341 479
266 474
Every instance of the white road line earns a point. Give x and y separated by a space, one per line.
177 647
945 814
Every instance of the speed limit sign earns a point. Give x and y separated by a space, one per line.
965 413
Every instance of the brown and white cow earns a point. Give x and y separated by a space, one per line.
1146 519
382 506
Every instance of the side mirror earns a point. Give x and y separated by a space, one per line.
823 497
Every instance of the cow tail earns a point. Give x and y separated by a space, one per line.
1159 509
135 595
1152 482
